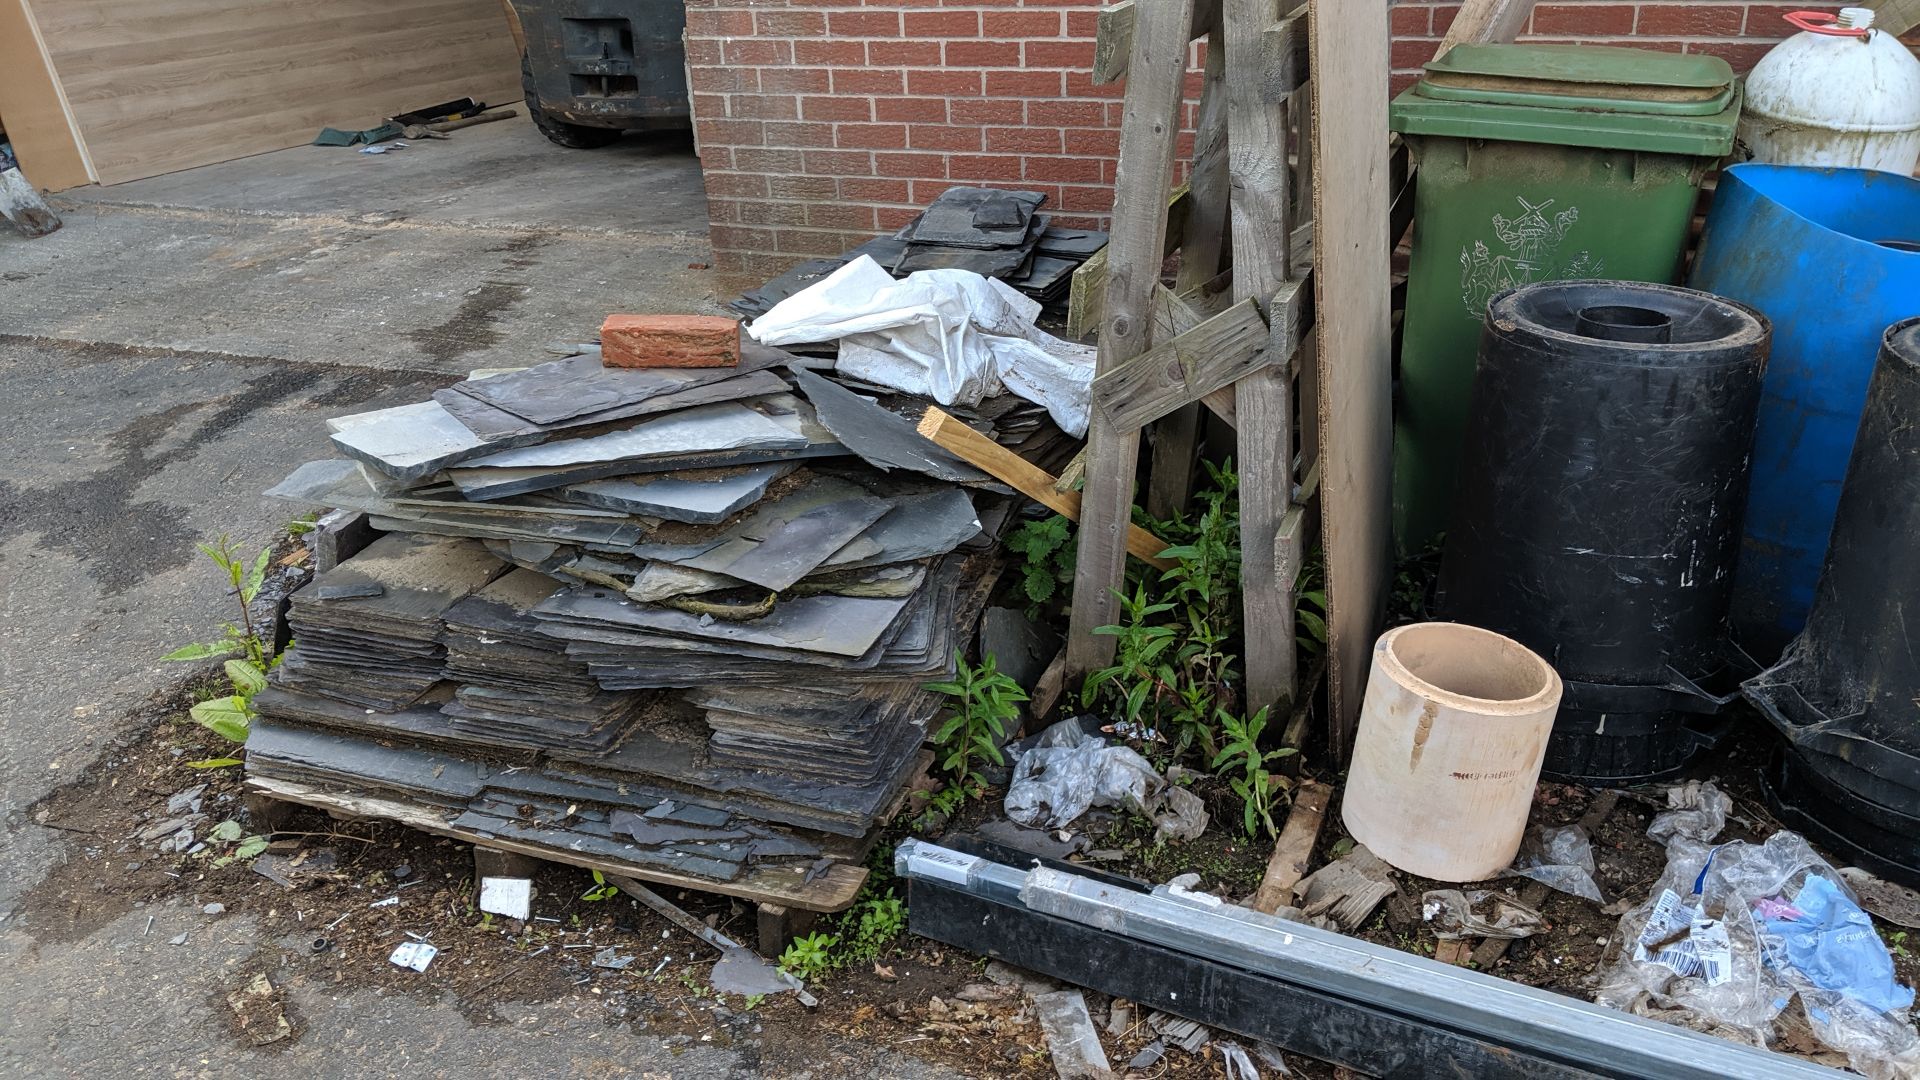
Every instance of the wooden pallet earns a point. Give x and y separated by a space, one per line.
787 901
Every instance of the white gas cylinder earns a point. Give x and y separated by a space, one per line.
1839 94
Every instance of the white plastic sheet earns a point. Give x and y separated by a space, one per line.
950 335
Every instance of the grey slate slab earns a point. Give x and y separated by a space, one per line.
884 439
835 625
561 389
721 426
793 550
701 497
496 425
408 442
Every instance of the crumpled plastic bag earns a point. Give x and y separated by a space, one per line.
1067 772
1560 856
950 335
1484 913
1724 945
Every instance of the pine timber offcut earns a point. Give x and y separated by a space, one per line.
164 85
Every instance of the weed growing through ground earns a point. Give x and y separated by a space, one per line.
986 703
810 957
230 716
602 890
1244 764
1047 549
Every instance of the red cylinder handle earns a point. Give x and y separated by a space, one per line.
1819 22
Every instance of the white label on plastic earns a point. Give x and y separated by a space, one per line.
509 896
414 954
1693 946
939 864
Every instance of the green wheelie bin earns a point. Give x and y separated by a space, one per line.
1536 163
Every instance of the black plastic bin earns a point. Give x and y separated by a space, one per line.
595 68
1846 695
1598 512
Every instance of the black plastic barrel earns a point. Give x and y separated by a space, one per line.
1598 508
1846 694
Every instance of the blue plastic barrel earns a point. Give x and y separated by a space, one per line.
1832 257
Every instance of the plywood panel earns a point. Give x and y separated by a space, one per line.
31 107
1348 44
165 85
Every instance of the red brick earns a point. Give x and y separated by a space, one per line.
986 111
761 107
1769 21
943 83
1103 141
839 162
669 341
866 189
786 23
1067 169
864 23
1065 114
1741 54
943 137
1023 140
912 166
1443 17
840 215
716 158
871 136
1591 20
1020 24
925 191
982 53
1080 84
1059 54
722 210
758 160
904 53
942 24
799 134
1404 55
800 187
709 105
1095 199
1005 168
1408 20
738 185
911 110
834 53
795 80
719 23
867 81
720 79
733 132
1691 20
745 52
773 213
829 107
1023 84
1083 24
892 219
702 51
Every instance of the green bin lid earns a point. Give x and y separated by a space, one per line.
1576 95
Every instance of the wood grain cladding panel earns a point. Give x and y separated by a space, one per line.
36 121
164 85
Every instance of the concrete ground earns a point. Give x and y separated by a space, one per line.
165 357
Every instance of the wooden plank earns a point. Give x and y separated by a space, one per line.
172 84
1089 285
833 890
1027 478
1352 335
1214 354
1896 17
1113 36
1149 127
1293 852
34 107
1283 58
1262 264
1486 21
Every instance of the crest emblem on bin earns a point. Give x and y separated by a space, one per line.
1532 240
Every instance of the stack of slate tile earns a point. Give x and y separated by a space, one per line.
991 232
676 621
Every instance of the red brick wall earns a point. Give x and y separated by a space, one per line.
824 122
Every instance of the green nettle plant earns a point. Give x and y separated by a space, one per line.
230 715
987 702
1047 550
1244 765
